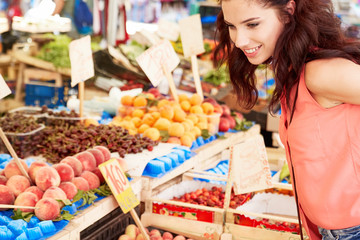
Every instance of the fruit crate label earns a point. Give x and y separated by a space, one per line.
183 212
119 185
250 166
82 64
4 88
191 35
153 60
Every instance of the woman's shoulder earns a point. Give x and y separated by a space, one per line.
332 78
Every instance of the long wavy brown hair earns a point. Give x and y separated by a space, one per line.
312 32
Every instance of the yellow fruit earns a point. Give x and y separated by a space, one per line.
167 112
143 127
208 108
127 100
174 140
179 115
195 99
90 121
163 102
153 109
127 118
186 140
185 105
162 124
193 118
152 133
156 115
192 135
140 101
138 113
202 125
196 131
148 119
183 97
186 125
197 109
176 130
150 96
136 121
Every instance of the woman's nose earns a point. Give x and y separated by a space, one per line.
241 40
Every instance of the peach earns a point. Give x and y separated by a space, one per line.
81 183
7 196
75 164
47 209
18 184
123 164
91 178
155 232
124 237
12 169
37 191
3 180
131 231
105 151
47 177
99 174
156 237
69 189
65 172
140 237
26 199
167 236
34 167
87 160
179 237
99 156
55 193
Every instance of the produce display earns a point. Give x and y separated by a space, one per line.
132 232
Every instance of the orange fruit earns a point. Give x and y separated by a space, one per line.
195 99
175 140
90 121
196 131
183 97
179 115
143 127
185 105
176 130
190 134
127 100
163 102
193 118
150 96
162 124
197 109
148 119
167 112
208 108
140 101
186 140
136 121
138 113
152 133
186 125
156 115
202 125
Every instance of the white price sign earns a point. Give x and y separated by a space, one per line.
4 88
153 61
191 35
250 168
82 64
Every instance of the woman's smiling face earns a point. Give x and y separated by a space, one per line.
253 28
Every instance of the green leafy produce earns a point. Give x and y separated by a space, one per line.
284 173
217 76
56 51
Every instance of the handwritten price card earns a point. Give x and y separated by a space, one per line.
155 59
119 185
82 64
251 169
191 35
4 89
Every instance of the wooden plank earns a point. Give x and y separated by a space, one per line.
251 233
40 74
33 61
184 226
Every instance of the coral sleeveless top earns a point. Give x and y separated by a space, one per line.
324 148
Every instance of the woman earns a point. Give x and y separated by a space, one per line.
318 84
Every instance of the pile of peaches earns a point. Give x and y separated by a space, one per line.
49 186
132 232
182 122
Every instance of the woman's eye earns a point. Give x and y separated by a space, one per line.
252 25
230 26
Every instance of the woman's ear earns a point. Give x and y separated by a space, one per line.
290 7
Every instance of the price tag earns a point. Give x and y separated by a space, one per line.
82 64
168 30
4 88
152 61
191 35
119 185
250 166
